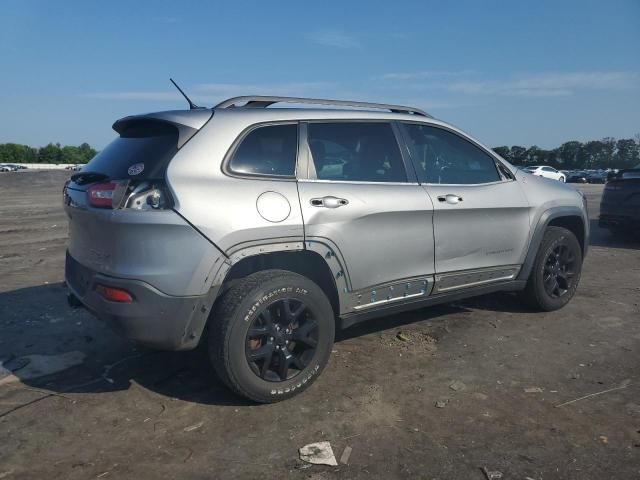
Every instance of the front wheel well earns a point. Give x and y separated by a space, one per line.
574 224
304 262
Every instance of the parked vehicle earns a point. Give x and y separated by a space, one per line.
9 167
258 231
597 177
577 177
546 172
620 204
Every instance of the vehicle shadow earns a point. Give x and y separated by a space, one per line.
602 237
40 329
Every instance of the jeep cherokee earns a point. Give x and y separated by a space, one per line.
258 231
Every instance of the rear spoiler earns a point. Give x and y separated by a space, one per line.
625 174
187 122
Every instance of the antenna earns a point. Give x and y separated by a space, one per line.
192 106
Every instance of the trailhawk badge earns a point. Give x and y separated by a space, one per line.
136 169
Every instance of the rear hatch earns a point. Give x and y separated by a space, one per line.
121 221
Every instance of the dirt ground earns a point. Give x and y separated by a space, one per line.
133 414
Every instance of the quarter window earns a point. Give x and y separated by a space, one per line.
268 150
444 157
359 152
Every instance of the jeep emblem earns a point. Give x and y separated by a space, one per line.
136 169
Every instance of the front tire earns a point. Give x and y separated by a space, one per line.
556 271
563 179
271 335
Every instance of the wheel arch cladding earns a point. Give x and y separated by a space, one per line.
573 223
303 262
571 218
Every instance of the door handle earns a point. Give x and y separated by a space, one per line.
329 202
450 198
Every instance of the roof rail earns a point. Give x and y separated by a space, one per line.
265 101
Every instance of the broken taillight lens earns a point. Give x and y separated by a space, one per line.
124 194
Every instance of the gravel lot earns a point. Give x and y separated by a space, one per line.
126 413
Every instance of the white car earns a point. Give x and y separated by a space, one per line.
547 172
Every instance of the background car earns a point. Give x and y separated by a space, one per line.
547 172
620 204
597 177
577 177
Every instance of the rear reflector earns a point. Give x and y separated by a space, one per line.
114 294
101 194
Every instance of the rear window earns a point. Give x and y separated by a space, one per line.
146 148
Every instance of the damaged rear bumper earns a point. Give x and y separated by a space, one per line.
153 318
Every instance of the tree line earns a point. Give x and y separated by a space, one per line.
574 155
52 153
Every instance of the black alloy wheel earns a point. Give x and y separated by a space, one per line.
281 340
559 270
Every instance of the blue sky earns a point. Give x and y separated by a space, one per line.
508 72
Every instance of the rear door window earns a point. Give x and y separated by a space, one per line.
442 157
268 150
355 151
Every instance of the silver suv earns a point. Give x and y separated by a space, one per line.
258 231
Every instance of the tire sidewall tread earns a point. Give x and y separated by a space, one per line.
235 312
535 293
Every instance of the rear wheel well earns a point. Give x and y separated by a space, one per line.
303 262
574 224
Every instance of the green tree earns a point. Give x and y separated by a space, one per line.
504 152
570 154
518 155
50 154
627 153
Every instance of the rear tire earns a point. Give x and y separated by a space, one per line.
556 271
271 335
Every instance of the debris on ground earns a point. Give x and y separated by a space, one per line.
604 439
491 474
35 366
319 453
533 390
623 384
442 403
479 396
196 426
401 336
457 386
344 458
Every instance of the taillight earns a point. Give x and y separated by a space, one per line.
125 194
101 194
114 294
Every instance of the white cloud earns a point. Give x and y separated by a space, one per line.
401 76
211 93
150 95
334 38
524 85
